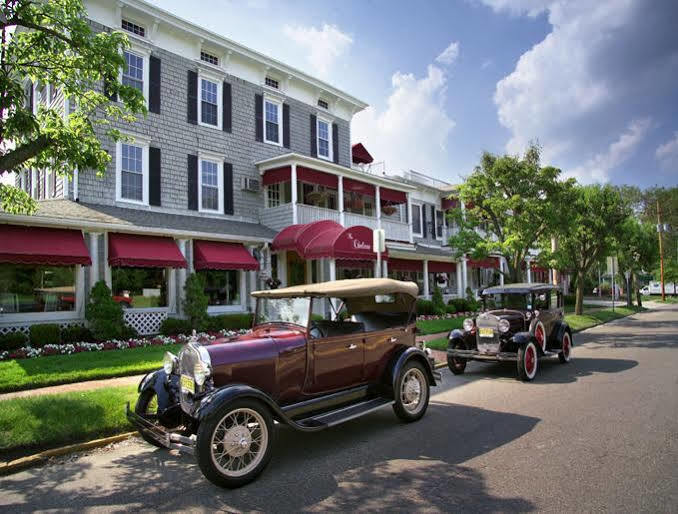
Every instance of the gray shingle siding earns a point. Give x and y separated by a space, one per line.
171 132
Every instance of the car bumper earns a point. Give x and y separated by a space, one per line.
476 355
159 434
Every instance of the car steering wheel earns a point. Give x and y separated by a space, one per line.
316 332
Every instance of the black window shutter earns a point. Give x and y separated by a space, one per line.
314 137
335 143
227 108
193 182
228 188
154 85
192 97
111 95
286 125
154 167
259 117
433 221
424 229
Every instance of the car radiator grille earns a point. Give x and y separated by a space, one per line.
487 344
188 358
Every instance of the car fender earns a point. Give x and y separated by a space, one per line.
454 336
561 327
403 358
215 399
522 338
165 391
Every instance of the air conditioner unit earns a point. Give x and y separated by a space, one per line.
250 184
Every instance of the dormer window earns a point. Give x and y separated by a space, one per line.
272 83
323 103
133 28
209 58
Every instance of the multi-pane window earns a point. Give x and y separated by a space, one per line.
278 194
133 74
416 219
272 121
139 287
221 286
323 139
209 102
212 59
133 28
34 288
323 104
209 183
131 173
272 83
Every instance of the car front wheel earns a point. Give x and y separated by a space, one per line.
412 392
457 365
528 361
234 444
147 407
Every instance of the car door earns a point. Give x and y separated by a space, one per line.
380 346
336 362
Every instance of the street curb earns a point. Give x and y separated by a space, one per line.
7 468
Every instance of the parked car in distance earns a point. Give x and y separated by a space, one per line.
220 399
519 323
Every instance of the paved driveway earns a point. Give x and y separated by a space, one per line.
599 434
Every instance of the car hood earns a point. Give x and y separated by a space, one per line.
515 318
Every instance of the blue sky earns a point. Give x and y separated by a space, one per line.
595 82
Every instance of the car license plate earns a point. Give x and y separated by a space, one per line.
187 384
486 332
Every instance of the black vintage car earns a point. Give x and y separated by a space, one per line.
520 323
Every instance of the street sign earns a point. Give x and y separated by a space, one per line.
378 240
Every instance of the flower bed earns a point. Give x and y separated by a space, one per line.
429 317
28 352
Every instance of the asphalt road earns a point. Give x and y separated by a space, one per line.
598 434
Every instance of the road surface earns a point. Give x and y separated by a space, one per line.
598 434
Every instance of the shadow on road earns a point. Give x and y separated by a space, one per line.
373 463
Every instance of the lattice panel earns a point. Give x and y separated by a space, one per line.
145 322
26 325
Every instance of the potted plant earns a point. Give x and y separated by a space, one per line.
389 210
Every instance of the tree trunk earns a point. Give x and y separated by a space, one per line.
579 305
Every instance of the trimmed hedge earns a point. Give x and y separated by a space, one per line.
450 309
12 341
229 322
76 334
45 333
425 307
175 326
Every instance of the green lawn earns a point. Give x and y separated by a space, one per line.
19 374
435 326
54 420
658 298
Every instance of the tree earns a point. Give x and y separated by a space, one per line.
196 301
52 43
596 217
511 203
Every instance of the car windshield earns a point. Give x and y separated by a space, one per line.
283 310
506 301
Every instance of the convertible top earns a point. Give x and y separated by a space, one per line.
523 288
352 288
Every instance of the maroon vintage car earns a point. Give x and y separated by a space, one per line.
219 400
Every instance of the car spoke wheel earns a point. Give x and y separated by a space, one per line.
540 335
565 353
233 445
528 361
412 392
457 365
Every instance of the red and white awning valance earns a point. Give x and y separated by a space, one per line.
42 246
222 256
138 251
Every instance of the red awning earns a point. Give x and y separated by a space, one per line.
355 186
360 154
405 265
343 243
449 203
144 251
217 255
391 195
488 262
441 267
276 175
317 177
287 238
42 246
310 231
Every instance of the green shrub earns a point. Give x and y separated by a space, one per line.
175 327
104 314
425 308
12 341
128 332
460 304
569 299
47 333
76 334
230 322
195 302
438 302
450 309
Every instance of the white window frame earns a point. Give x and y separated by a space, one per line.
145 55
269 190
279 103
329 156
143 143
241 307
439 212
219 161
420 233
212 77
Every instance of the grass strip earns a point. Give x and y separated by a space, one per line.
21 374
658 298
50 420
435 326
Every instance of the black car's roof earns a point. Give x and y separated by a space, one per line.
520 288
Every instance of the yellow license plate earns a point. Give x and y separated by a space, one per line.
486 332
187 383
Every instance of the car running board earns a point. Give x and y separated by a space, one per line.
335 417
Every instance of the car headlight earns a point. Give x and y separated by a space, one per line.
504 326
528 316
200 372
169 362
468 324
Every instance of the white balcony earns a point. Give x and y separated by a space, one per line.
396 230
310 213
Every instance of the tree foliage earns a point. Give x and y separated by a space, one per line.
52 43
511 202
196 301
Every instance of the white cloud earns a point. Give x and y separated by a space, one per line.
412 131
449 55
486 64
530 7
667 154
597 168
322 46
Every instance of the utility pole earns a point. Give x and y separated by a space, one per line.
661 250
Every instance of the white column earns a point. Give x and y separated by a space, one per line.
282 268
385 275
501 271
252 275
181 282
464 271
460 285
108 278
340 203
376 269
293 185
243 290
171 290
94 254
377 201
79 290
333 277
528 265
409 216
426 290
